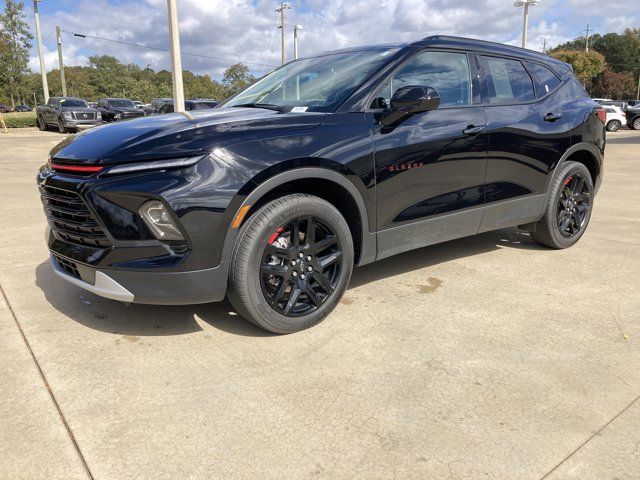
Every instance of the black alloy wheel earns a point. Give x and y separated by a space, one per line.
291 263
573 205
300 267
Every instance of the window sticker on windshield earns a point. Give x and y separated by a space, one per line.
299 109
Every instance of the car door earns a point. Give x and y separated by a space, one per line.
430 168
529 130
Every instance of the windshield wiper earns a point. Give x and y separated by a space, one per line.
268 106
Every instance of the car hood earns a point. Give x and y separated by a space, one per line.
177 135
124 109
77 109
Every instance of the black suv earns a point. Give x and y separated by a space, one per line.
331 161
114 109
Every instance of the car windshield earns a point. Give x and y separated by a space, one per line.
316 84
70 102
121 103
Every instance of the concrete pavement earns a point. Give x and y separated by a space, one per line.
487 357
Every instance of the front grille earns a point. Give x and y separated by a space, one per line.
70 219
84 115
68 267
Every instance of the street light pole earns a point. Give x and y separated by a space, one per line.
60 62
43 72
295 41
525 21
176 60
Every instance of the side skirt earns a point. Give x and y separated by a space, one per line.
427 232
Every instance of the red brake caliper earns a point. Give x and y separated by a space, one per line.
273 237
567 181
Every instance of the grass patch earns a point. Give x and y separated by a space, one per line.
20 119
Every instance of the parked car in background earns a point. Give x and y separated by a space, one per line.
92 104
67 114
114 109
189 105
616 118
330 161
138 104
633 103
621 104
22 108
4 108
157 103
633 118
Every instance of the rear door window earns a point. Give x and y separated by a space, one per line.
506 81
549 81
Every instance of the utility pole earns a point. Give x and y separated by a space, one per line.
544 45
587 42
43 72
176 60
525 21
295 41
283 7
60 62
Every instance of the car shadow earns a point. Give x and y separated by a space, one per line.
137 320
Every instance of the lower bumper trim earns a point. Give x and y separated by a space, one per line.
104 285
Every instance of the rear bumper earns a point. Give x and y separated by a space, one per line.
147 287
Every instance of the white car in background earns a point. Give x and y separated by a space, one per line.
616 118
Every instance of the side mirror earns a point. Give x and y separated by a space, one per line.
408 101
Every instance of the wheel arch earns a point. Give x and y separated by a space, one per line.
325 183
588 155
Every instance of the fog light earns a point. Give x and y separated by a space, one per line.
158 219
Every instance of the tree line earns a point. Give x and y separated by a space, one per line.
104 76
611 67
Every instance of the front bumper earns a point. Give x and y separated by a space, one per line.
147 287
81 124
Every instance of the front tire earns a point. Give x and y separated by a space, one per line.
568 208
61 127
291 263
42 125
614 125
636 124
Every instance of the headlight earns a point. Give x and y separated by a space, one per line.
99 116
158 219
66 114
117 116
155 165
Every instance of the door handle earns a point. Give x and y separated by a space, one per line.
471 130
552 117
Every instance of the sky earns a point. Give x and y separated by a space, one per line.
246 30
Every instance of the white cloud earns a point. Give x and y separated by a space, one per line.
246 29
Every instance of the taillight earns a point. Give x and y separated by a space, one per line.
602 115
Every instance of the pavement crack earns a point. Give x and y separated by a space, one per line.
546 475
47 386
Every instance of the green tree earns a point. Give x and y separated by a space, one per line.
16 43
586 65
236 77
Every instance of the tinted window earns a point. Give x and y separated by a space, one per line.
72 102
447 72
122 103
547 78
507 81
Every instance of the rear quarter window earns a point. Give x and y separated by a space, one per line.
549 81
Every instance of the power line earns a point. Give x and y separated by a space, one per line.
131 44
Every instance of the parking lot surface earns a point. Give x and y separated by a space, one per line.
484 358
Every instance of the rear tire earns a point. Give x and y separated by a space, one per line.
283 285
568 209
636 124
614 125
